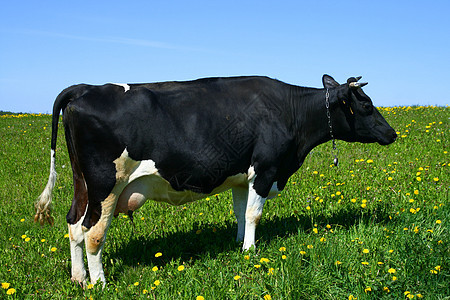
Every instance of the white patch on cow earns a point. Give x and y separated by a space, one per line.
253 213
144 182
124 85
76 237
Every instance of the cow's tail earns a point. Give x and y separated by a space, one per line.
43 204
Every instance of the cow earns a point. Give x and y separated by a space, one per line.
178 142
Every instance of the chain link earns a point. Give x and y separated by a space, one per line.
330 125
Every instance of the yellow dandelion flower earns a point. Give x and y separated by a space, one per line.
247 257
310 246
365 251
159 254
66 235
43 240
27 239
5 285
416 192
144 291
180 268
380 263
257 266
90 286
155 268
282 249
328 226
386 289
363 205
136 283
369 161
368 289
438 221
23 236
237 277
53 249
418 179
308 207
283 257
436 179
394 278
392 271
267 297
302 252
419 295
337 263
390 251
365 263
438 268
322 239
200 298
351 297
11 291
157 282
22 220
264 260
353 200
315 230
270 272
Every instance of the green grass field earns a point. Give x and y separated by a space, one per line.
376 227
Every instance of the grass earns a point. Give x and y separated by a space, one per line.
376 227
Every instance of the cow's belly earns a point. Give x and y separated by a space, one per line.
144 182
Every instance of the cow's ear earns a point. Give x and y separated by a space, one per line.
329 82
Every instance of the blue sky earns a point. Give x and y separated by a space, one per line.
402 48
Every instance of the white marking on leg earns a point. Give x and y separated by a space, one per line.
124 85
255 204
76 237
240 196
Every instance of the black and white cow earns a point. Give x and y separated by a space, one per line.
181 141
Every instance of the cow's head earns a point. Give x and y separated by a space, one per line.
355 119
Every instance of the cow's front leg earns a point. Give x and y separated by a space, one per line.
253 213
76 237
240 196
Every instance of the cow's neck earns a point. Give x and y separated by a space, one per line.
311 121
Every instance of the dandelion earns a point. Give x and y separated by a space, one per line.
386 289
363 205
5 285
394 278
66 235
22 220
369 161
282 249
283 257
365 251
267 297
322 239
53 249
438 222
365 263
433 272
328 226
11 291
368 289
23 236
157 282
200 298
315 230
247 257
418 179
270 271
155 268
380 263
351 297
416 192
436 179
302 252
337 263
136 283
353 200
237 277
180 268
438 268
144 291
90 286
308 207
430 230
257 266
419 295
310 246
392 271
263 260
43 241
159 254
27 239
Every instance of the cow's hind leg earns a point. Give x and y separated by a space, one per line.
74 218
240 196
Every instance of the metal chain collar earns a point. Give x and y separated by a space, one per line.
335 149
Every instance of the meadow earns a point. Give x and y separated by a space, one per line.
376 227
